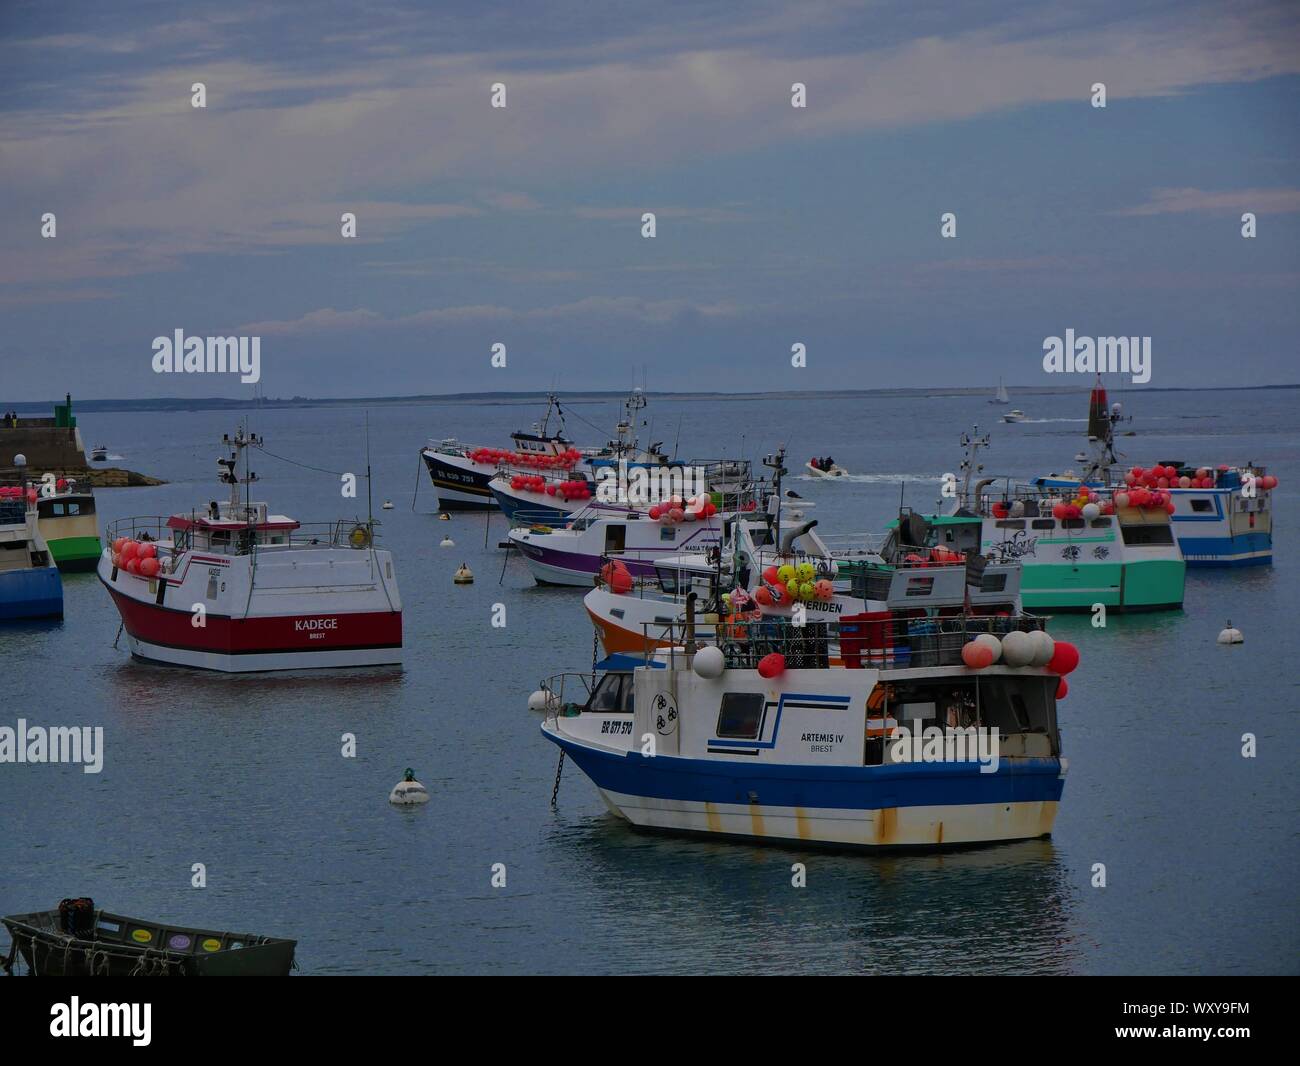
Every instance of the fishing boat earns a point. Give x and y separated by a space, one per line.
1108 549
460 473
1000 396
1014 415
914 740
766 573
65 508
30 586
1221 515
574 554
235 588
78 940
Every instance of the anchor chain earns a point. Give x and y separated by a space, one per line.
559 769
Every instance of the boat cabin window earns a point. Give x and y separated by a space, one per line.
741 715
1073 523
762 538
1201 506
995 581
1015 705
1147 535
920 586
1011 523
615 538
667 532
1101 523
1044 523
612 695
64 508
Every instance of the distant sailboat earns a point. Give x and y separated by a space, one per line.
1001 395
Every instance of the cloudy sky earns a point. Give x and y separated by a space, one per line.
522 225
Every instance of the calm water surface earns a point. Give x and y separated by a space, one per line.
244 774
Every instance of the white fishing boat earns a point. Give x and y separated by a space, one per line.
920 740
233 587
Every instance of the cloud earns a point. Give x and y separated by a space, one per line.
1231 201
620 308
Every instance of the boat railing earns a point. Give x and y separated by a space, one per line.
880 640
566 689
341 533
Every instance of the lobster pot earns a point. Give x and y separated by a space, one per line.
805 646
923 641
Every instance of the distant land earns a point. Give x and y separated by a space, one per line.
220 403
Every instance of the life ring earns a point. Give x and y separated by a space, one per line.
359 537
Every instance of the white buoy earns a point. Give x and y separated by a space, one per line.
709 662
539 700
463 576
1018 649
444 517
408 792
1229 635
388 505
992 643
1044 648
446 542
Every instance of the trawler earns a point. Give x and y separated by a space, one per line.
930 739
30 586
65 508
1221 515
1113 548
235 588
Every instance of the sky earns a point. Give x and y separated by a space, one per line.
522 226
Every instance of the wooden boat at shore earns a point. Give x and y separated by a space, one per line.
85 942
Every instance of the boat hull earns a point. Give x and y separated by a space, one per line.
75 554
31 595
1143 585
922 806
461 484
306 610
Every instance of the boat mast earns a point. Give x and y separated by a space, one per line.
972 442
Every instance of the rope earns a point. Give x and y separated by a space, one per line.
307 466
419 462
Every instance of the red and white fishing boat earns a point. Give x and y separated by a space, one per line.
234 588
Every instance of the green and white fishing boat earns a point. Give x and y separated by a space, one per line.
1125 558
66 517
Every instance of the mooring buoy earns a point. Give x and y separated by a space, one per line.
1229 635
463 576
408 791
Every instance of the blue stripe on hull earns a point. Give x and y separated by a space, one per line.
31 594
1244 549
670 777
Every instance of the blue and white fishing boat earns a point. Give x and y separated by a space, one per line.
918 740
1222 515
30 586
460 472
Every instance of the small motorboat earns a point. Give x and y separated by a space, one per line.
1014 415
76 940
99 454
826 467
